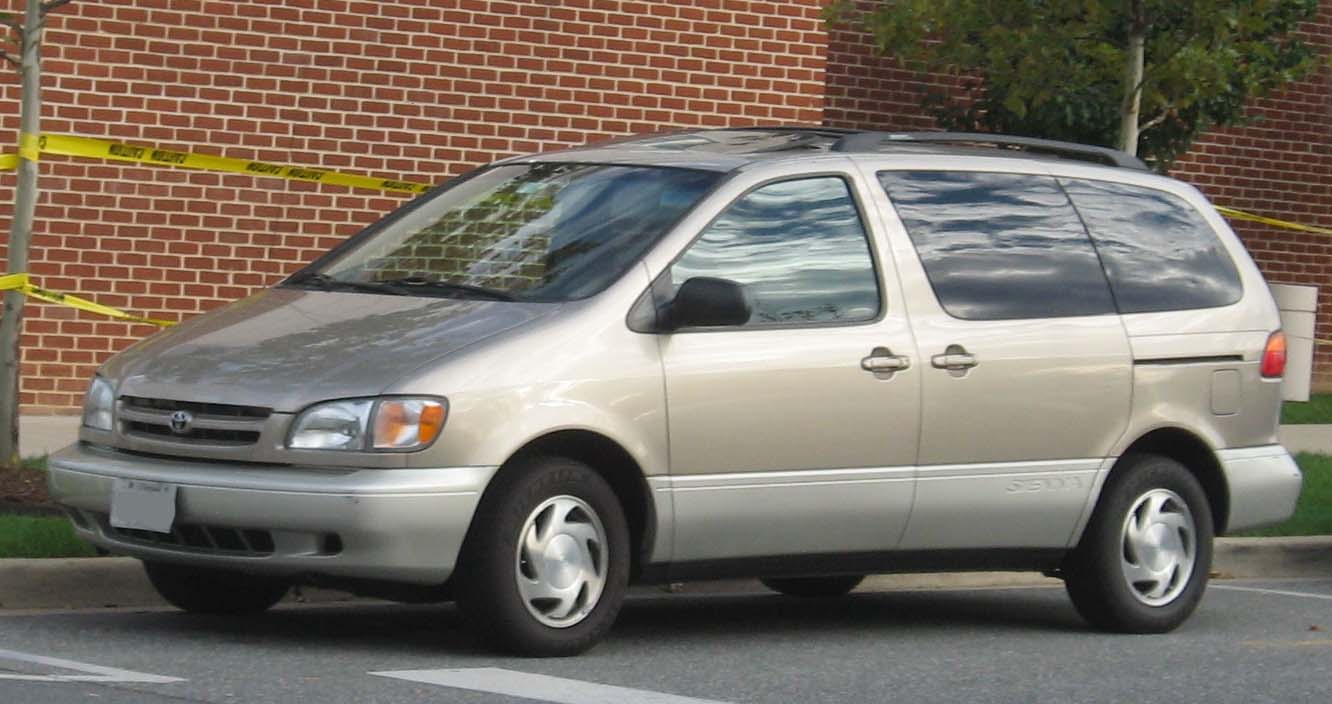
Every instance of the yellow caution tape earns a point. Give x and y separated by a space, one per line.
1285 224
30 147
8 162
23 284
69 145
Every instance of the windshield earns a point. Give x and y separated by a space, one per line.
531 232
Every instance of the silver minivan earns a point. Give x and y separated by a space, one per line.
803 355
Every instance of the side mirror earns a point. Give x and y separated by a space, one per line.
704 302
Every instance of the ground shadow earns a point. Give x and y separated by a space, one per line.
647 620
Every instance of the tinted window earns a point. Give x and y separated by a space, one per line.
798 247
1159 252
999 246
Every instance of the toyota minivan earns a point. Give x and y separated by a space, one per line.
803 355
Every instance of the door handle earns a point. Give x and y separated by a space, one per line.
954 358
882 361
953 361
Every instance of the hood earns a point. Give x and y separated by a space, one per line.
287 348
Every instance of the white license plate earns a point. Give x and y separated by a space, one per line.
143 505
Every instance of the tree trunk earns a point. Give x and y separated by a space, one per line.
20 233
1135 58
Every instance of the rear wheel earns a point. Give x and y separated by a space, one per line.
204 591
546 564
1142 564
814 587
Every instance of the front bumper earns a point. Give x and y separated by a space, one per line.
1264 485
398 525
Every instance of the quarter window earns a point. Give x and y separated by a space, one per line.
1159 252
798 247
999 246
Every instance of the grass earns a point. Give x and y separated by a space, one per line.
1317 410
40 536
1313 514
24 535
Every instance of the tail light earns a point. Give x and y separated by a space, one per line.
1274 356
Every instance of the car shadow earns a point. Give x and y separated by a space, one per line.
646 621
889 613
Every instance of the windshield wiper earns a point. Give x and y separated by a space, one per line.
328 283
408 282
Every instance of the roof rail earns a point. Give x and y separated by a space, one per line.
876 141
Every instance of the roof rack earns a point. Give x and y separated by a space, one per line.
876 141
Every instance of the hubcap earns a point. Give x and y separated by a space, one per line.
561 561
1160 547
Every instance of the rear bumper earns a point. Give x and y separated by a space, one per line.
400 525
1264 485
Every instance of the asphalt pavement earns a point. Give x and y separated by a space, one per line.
1251 641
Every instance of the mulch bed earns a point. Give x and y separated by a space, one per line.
23 487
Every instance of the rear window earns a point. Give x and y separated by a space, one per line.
1158 251
1000 246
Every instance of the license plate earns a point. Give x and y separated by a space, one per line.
142 505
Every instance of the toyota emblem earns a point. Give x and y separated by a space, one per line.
181 422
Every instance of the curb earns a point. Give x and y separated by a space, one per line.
107 582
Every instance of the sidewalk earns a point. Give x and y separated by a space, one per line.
42 435
1307 438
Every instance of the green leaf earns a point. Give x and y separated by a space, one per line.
1056 68
1015 105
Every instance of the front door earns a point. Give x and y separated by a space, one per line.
794 433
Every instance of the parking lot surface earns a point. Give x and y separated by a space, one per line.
1251 641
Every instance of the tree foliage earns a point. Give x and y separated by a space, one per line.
1056 68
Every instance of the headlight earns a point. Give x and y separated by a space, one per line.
99 405
391 424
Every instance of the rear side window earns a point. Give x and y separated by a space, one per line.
798 247
1000 246
1158 251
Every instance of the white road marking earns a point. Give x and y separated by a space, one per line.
95 673
1278 592
542 688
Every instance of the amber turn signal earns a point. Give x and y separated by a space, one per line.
407 424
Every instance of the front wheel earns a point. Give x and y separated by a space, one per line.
1142 564
204 591
546 563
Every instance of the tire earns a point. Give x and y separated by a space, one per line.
545 566
814 587
206 591
1142 564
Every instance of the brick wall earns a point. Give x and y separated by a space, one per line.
1280 165
415 89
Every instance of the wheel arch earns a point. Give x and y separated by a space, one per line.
1197 456
616 465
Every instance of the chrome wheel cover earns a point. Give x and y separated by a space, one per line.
1159 547
561 563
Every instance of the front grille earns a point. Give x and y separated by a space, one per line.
198 538
216 437
211 424
215 410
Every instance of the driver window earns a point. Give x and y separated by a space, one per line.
800 250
